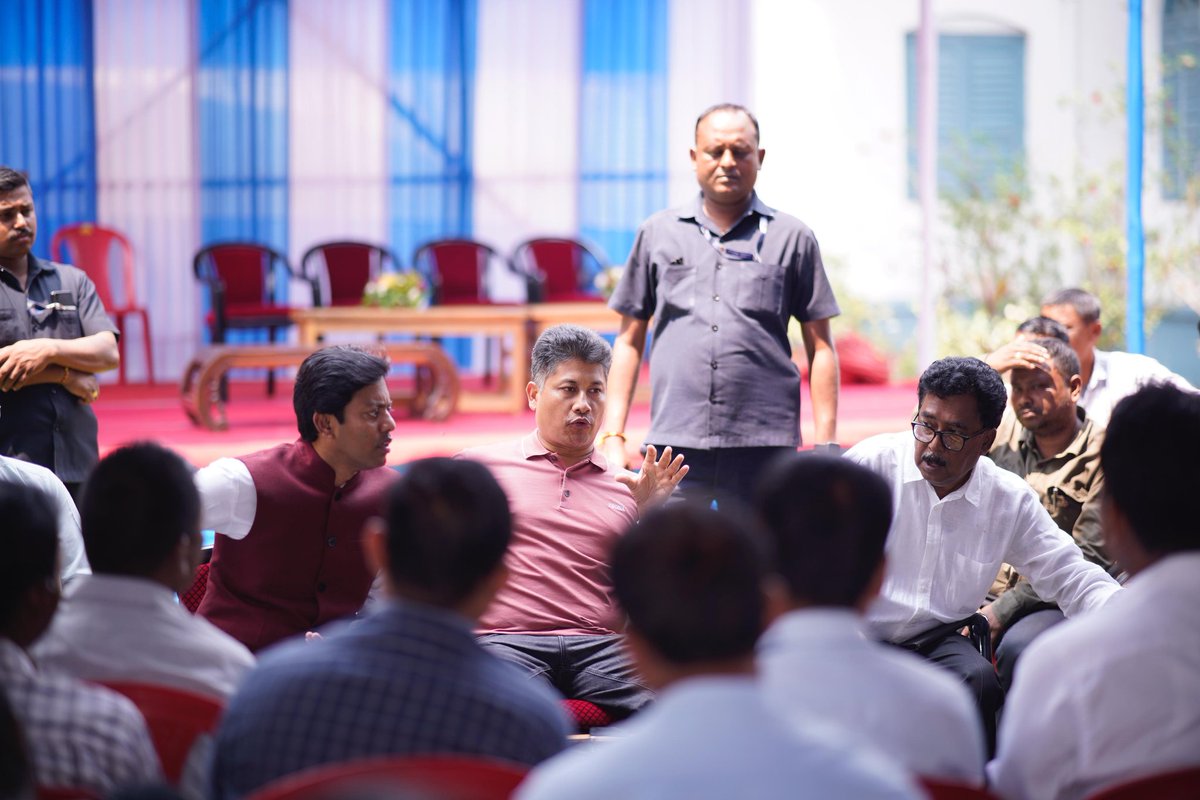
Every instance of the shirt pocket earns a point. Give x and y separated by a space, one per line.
679 287
965 584
10 327
760 287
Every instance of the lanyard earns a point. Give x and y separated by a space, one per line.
738 255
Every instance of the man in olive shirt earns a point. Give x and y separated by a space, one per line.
722 276
1047 438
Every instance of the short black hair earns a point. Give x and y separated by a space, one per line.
328 380
828 518
11 179
561 343
731 107
1086 304
690 580
1151 471
137 504
448 528
1044 326
957 375
1065 360
29 544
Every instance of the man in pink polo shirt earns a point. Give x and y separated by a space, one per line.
555 615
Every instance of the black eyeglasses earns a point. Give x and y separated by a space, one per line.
951 441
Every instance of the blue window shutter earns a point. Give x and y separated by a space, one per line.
981 109
1181 82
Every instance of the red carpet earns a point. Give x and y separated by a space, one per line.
130 413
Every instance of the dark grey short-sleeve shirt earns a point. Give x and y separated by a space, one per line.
45 423
720 360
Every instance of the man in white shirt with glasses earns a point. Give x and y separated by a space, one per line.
957 517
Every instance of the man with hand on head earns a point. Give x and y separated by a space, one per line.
1048 440
288 552
1113 696
554 616
721 277
692 583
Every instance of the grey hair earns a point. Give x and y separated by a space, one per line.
563 343
1086 304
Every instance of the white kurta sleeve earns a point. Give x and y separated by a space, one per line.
228 501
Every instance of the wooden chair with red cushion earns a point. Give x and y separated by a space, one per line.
447 777
339 271
90 247
242 280
564 268
175 718
1176 784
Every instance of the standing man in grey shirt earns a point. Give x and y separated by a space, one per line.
721 277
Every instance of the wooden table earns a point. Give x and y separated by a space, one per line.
514 325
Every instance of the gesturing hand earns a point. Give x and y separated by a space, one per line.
657 478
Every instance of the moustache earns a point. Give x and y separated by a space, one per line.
932 460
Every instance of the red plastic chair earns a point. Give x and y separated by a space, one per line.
89 247
339 271
241 279
586 715
944 789
457 270
1177 784
446 777
175 718
562 267
191 597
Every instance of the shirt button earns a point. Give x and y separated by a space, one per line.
716 298
718 266
714 328
714 365
337 495
566 493
321 586
331 541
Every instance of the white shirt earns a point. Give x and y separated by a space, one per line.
1110 697
116 628
815 663
944 554
1117 374
228 499
714 737
72 558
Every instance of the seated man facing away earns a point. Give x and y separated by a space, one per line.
141 518
1116 695
72 560
692 583
1047 439
829 519
554 617
78 736
289 520
957 517
1107 375
409 678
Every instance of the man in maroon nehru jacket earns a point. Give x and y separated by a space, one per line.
289 520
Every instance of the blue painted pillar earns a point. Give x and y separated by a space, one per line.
1135 335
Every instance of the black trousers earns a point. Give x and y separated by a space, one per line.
954 652
724 474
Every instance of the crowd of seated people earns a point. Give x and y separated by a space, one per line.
808 645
